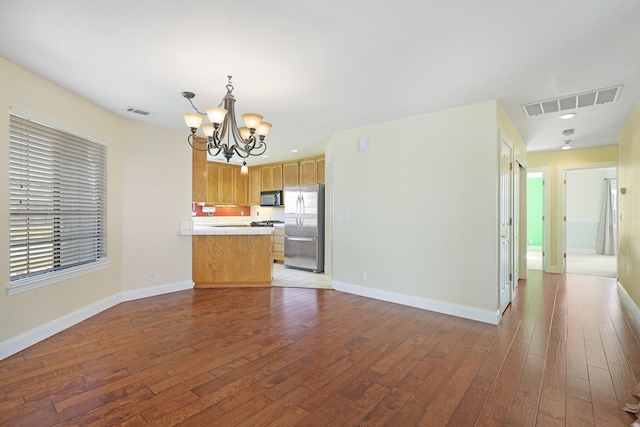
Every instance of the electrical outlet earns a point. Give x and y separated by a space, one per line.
363 275
152 275
181 270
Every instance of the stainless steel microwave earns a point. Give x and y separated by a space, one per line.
270 198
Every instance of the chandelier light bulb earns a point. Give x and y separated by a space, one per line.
245 133
252 120
263 129
193 120
216 114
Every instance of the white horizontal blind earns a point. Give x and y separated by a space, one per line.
57 200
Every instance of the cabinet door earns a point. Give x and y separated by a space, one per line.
255 185
267 178
320 164
277 177
241 183
308 171
213 193
226 185
199 176
290 174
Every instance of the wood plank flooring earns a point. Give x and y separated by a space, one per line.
564 355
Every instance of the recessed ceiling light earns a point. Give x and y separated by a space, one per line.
265 155
568 116
567 145
294 151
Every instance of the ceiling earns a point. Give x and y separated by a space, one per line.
313 68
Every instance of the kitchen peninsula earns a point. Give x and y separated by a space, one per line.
228 256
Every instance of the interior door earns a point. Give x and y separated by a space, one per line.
506 254
516 227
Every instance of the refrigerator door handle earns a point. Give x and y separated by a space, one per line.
297 211
301 239
304 208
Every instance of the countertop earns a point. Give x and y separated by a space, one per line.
209 230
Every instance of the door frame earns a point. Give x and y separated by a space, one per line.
561 238
505 224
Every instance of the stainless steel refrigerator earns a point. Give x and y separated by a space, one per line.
304 227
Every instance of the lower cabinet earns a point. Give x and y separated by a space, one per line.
278 245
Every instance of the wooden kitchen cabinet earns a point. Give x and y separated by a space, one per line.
221 187
241 187
278 245
199 176
272 177
320 171
255 185
290 172
308 172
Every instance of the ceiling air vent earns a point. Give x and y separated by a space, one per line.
137 111
570 102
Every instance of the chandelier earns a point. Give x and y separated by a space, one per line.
244 141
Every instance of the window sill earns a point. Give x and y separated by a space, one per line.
51 278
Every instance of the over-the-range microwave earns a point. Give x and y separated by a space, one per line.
270 198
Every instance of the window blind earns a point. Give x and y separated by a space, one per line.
57 200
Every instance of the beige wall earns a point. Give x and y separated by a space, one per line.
629 207
554 163
422 206
149 190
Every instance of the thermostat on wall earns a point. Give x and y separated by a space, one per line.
363 144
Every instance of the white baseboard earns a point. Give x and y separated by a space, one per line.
466 312
156 290
629 303
27 339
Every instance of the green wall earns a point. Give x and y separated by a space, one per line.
534 211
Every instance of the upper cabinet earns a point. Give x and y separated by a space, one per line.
226 185
222 184
199 176
308 172
272 177
255 185
241 183
290 172
320 169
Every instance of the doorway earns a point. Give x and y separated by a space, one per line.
535 220
590 226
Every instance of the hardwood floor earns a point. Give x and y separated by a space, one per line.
565 354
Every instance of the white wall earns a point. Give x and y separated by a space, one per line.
149 191
422 206
584 199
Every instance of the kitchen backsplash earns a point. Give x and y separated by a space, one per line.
255 213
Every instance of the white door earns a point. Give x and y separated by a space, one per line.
506 257
516 227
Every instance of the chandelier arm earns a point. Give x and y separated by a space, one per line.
191 139
262 145
241 152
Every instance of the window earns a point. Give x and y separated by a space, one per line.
57 204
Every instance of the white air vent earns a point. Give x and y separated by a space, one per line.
571 102
137 111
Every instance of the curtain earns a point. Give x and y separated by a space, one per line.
607 236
